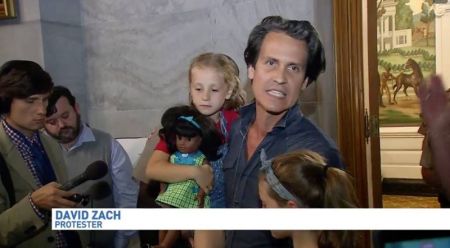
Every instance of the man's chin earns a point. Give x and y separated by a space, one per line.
62 140
272 109
276 112
65 140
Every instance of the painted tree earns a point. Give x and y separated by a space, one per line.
403 15
380 9
427 17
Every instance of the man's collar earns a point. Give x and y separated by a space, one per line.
10 130
291 114
86 135
247 113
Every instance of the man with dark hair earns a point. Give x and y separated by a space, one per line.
30 162
283 57
83 145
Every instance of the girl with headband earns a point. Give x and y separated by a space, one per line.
301 179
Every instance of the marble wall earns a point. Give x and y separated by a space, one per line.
21 38
64 47
127 61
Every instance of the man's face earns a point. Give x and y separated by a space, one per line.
27 115
64 124
279 73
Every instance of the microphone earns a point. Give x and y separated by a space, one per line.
99 190
94 171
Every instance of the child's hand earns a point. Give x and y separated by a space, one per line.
200 197
204 177
152 134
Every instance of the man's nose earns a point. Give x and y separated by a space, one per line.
280 75
60 123
42 108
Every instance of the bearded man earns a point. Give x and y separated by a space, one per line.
83 145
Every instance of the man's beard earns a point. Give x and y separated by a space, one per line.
69 134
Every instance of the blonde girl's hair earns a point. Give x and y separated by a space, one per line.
306 175
230 71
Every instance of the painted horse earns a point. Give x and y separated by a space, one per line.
408 80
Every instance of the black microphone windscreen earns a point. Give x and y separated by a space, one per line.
99 190
96 170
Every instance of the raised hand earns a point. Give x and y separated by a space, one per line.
433 100
436 112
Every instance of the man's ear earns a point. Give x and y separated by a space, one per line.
77 108
305 83
251 72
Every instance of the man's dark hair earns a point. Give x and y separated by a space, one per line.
58 92
300 30
21 79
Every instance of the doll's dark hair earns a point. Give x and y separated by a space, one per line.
182 121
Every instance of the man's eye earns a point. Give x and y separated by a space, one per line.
51 122
270 62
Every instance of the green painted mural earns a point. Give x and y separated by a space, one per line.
406 55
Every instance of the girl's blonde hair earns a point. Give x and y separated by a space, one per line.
306 176
230 71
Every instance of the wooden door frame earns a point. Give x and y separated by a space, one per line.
349 32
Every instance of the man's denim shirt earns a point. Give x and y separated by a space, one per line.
293 132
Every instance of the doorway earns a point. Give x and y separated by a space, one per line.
356 77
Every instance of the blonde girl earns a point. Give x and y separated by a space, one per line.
214 90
